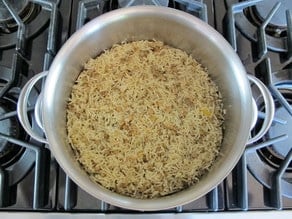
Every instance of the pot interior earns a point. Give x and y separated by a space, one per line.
179 30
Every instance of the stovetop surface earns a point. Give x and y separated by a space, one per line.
40 185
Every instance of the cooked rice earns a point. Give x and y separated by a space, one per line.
145 119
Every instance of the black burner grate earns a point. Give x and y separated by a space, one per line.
256 32
26 49
264 48
30 48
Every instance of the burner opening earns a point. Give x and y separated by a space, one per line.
27 11
274 154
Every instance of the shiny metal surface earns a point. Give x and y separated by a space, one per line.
175 28
269 109
22 107
38 111
254 115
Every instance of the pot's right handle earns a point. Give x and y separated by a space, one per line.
22 107
269 109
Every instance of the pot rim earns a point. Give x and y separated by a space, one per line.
179 198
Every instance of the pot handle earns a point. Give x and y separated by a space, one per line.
22 108
25 92
269 109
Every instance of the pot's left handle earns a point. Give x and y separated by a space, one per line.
22 108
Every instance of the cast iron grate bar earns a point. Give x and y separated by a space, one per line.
70 194
21 40
14 113
85 6
264 68
5 191
42 165
234 9
195 6
104 206
213 199
242 186
262 115
179 209
262 41
276 197
289 34
253 147
52 31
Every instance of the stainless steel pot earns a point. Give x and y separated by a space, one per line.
175 28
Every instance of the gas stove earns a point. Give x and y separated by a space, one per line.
31 181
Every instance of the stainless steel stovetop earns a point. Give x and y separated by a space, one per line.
32 31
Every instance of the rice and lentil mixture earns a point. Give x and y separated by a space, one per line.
145 119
